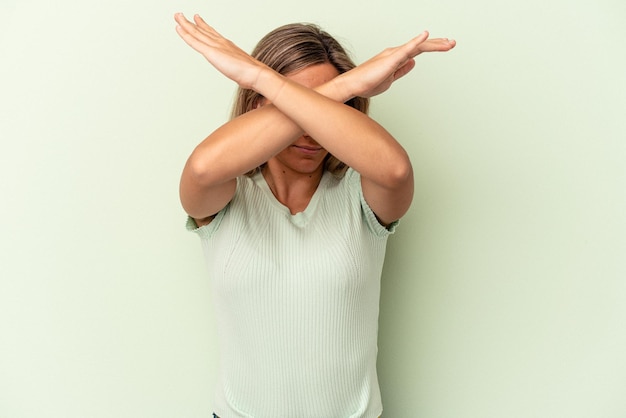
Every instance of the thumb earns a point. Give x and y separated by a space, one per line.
404 69
413 46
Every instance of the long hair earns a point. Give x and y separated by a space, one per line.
291 48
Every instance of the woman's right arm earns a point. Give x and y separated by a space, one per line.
208 180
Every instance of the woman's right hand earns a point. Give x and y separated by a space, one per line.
223 54
377 74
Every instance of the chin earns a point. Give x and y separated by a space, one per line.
309 169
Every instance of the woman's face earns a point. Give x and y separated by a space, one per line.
305 155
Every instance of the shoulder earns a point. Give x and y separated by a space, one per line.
245 191
351 182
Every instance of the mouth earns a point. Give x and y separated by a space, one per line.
307 149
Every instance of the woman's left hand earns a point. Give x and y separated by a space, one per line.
377 74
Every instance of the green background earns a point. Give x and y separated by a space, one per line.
504 291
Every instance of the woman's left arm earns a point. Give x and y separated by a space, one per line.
353 137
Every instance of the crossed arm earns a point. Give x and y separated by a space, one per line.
208 179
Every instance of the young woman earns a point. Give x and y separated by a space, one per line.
293 200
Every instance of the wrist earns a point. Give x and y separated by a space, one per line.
338 89
269 83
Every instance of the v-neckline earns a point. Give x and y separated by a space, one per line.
299 218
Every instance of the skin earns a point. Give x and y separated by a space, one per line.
299 107
294 173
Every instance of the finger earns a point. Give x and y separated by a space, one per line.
203 25
196 37
412 48
422 36
404 69
181 19
184 24
438 44
451 43
419 39
190 39
191 28
192 36
204 28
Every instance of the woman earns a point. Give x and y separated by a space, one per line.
294 199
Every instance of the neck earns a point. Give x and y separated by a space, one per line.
292 189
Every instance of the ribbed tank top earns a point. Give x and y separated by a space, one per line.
296 302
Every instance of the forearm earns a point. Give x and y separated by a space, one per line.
251 139
350 135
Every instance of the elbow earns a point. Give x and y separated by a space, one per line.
198 172
399 174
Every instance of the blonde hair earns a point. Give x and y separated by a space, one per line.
291 48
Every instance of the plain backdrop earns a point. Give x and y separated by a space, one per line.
504 290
